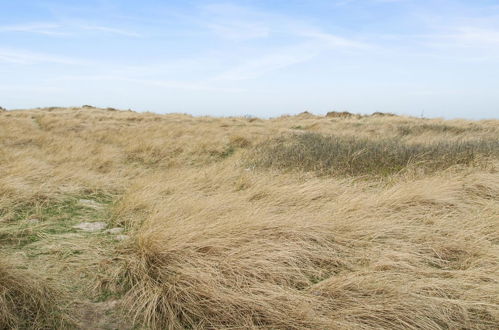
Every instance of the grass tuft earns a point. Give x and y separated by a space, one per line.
27 302
435 128
338 155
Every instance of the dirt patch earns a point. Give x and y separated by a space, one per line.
91 226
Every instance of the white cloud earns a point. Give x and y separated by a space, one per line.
316 43
181 85
306 41
475 36
334 41
234 22
65 29
28 57
469 43
238 30
51 29
389 1
30 89
168 84
269 62
110 30
347 2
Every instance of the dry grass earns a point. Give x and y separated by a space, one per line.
288 252
27 302
354 156
219 243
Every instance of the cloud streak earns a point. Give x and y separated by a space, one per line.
473 36
238 23
110 30
161 83
65 29
281 58
267 63
334 41
50 29
26 57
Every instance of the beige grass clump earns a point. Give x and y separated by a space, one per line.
288 252
26 302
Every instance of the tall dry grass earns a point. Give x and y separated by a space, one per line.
27 302
218 241
228 248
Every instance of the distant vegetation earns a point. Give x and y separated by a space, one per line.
348 155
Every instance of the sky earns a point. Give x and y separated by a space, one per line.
261 58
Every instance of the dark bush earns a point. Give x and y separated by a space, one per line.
342 114
383 114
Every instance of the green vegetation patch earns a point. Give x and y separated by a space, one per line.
436 128
351 156
31 221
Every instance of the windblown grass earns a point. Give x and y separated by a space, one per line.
242 223
360 156
26 302
439 128
290 253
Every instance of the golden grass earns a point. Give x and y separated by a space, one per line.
219 243
228 248
27 302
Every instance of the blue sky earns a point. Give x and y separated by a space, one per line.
262 58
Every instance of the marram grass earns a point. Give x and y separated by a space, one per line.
296 222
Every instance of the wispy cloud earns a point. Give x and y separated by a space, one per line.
304 41
389 1
233 22
110 30
161 83
473 36
347 2
50 29
284 57
23 88
17 56
237 30
476 44
278 59
66 29
334 41
183 85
